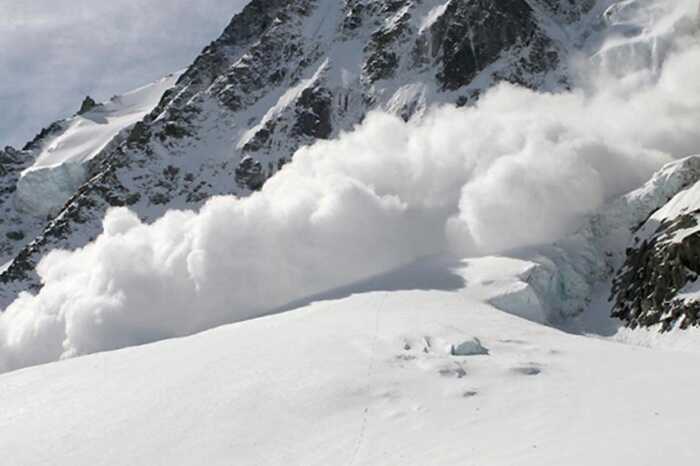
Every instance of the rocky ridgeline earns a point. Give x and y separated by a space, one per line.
287 73
656 285
16 229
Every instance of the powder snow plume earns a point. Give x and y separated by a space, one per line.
520 168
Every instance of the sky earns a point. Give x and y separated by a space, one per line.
55 52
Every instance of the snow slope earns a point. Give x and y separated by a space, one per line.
37 181
59 168
363 377
90 132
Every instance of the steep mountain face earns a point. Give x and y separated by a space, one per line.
634 246
14 226
284 74
38 180
658 284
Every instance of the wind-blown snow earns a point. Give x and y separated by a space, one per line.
519 169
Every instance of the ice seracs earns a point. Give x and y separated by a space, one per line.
60 163
563 276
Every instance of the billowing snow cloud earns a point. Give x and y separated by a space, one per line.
519 169
54 52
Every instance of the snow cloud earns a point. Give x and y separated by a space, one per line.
519 169
54 52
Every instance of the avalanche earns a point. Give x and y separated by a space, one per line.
362 377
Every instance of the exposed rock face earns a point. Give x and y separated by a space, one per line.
658 284
472 35
54 128
286 73
250 173
313 114
87 105
568 10
15 229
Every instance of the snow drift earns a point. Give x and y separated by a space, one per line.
520 168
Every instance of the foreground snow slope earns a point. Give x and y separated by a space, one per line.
362 379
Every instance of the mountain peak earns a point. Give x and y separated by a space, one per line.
87 105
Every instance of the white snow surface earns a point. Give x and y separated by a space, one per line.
362 377
87 134
685 202
59 168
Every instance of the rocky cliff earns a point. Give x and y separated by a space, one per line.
658 283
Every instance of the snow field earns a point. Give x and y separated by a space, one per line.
366 379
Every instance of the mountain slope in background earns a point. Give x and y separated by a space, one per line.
284 74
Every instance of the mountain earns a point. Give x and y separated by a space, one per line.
658 283
41 178
629 250
461 232
286 74
283 74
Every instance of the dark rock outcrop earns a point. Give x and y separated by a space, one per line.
88 105
250 173
646 289
472 35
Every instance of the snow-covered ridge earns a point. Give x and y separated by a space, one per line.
60 163
86 134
